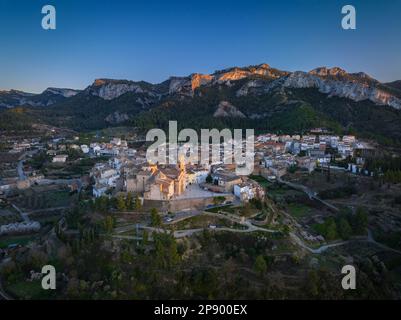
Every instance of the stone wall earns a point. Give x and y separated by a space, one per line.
182 204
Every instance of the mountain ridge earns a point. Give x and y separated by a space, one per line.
49 96
332 81
257 96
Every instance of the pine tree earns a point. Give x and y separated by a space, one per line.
137 203
121 203
260 265
155 218
129 201
360 221
331 229
344 229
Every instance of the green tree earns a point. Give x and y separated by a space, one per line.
155 219
209 179
137 203
344 229
129 201
260 265
218 200
257 203
165 250
330 229
360 221
286 229
102 204
109 224
121 203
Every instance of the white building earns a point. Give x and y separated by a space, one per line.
201 175
85 148
116 141
99 190
243 192
61 158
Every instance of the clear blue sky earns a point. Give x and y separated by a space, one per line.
151 40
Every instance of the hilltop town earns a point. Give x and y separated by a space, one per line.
310 197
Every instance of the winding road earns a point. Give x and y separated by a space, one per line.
250 228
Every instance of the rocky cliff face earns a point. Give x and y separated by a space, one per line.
187 85
254 80
333 82
198 80
180 85
116 117
226 109
262 79
351 88
109 89
234 74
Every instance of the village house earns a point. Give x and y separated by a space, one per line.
249 190
105 178
61 158
99 190
306 163
226 180
84 148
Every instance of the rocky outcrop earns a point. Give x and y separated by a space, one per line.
67 93
233 74
323 71
352 89
180 85
198 80
109 89
226 109
188 85
333 82
116 118
256 87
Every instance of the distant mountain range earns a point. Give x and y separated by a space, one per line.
15 98
255 96
262 79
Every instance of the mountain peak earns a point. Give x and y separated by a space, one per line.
264 66
324 71
109 89
99 82
103 81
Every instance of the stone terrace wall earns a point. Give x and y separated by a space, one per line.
178 205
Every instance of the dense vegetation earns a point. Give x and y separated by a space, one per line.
343 226
15 119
